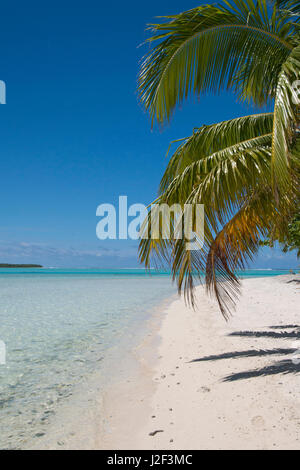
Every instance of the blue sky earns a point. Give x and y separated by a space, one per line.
73 135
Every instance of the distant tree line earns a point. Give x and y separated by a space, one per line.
7 265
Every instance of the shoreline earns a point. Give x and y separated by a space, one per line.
165 396
127 404
84 421
179 404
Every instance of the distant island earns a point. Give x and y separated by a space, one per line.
5 265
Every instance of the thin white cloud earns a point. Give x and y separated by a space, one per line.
25 249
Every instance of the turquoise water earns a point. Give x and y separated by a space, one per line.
115 273
59 326
87 273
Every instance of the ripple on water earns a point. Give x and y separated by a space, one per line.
57 331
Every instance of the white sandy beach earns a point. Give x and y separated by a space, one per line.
189 403
184 401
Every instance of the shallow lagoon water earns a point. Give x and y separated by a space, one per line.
58 327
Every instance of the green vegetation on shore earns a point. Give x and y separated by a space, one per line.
8 265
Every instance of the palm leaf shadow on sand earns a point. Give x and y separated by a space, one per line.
250 353
286 366
281 367
283 327
268 334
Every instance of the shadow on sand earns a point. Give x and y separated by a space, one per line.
286 366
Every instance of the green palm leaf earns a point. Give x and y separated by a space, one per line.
206 141
214 47
235 245
286 120
230 167
221 181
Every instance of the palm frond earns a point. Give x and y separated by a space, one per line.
222 182
229 167
235 245
236 45
235 134
219 181
291 6
286 120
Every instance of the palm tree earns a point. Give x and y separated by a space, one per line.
244 170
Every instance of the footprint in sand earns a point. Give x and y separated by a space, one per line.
258 421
